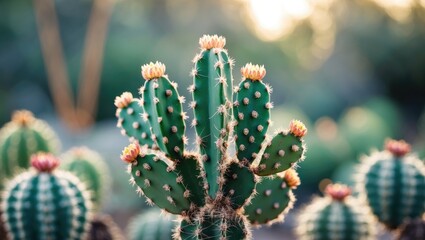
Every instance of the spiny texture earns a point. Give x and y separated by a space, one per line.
151 225
23 136
90 168
211 187
45 203
337 216
393 183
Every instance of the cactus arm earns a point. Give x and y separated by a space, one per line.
159 183
162 103
131 123
273 199
190 170
252 113
239 184
284 150
209 111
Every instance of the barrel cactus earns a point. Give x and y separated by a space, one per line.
213 188
44 203
90 168
151 225
23 136
337 216
393 183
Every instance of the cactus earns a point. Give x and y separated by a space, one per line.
211 187
336 216
414 229
151 225
90 168
44 203
23 136
104 228
393 183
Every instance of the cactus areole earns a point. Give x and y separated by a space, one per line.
211 188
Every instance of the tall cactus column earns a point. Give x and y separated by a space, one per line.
212 190
45 203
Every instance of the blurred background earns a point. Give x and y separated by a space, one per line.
352 70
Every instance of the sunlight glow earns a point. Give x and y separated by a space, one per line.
273 19
398 9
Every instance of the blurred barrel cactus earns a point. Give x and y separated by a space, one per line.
211 188
44 203
23 136
337 216
90 168
151 225
393 183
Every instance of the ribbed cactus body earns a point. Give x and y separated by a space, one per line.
337 217
394 186
91 169
210 84
46 205
151 225
20 138
210 187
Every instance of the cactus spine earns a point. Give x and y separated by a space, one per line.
336 216
210 188
90 168
45 203
393 183
23 136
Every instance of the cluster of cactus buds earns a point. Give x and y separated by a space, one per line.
217 194
393 183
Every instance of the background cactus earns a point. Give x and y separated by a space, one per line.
151 225
414 229
23 136
210 188
393 183
102 227
45 203
336 216
90 168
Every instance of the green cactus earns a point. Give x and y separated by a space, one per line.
211 188
90 168
151 225
336 216
45 203
393 183
23 136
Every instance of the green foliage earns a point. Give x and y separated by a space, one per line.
19 139
46 203
210 187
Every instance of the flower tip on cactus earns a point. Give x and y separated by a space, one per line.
398 148
291 178
153 70
253 72
212 41
337 191
130 153
22 117
297 128
44 162
123 100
